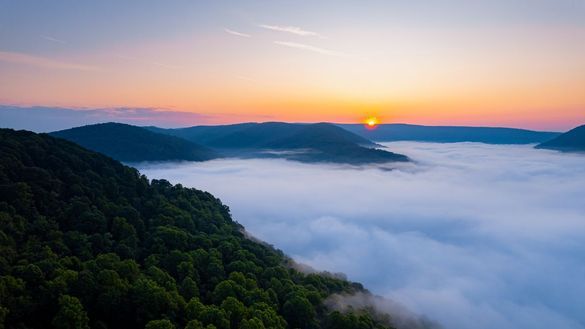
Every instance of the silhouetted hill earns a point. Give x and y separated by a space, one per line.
449 134
320 142
571 141
133 144
276 135
87 242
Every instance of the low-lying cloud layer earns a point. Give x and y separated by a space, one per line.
471 235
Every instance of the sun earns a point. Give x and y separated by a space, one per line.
371 122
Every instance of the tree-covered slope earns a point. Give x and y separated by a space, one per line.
571 141
86 242
319 142
130 143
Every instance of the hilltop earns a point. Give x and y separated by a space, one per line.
319 142
133 144
449 134
571 141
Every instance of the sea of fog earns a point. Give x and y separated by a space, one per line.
470 235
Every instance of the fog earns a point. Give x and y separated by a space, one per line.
470 235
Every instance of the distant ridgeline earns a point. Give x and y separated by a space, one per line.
571 141
88 242
449 134
320 142
132 144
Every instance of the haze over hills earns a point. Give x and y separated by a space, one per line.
275 135
132 144
88 242
319 142
449 134
571 141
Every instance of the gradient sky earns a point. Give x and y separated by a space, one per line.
500 62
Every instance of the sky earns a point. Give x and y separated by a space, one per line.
469 235
515 63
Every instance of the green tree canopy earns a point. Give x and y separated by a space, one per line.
88 242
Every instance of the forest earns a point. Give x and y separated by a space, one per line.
86 242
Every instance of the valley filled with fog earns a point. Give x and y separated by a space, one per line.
470 235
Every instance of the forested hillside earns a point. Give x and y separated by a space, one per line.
86 242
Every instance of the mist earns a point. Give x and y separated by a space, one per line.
469 235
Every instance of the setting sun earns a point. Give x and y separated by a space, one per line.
372 122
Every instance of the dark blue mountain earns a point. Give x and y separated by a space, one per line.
319 142
571 141
449 134
133 144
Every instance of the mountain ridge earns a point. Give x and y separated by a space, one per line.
255 135
449 134
134 144
316 142
571 141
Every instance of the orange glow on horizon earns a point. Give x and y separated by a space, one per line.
371 122
233 80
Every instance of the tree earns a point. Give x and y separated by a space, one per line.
193 309
189 289
235 310
216 316
224 289
151 301
298 312
253 323
194 324
159 324
71 314
268 315
3 314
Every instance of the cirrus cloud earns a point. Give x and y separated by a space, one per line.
41 62
290 29
236 33
314 49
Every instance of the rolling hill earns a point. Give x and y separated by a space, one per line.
449 134
571 141
87 242
276 135
319 142
134 144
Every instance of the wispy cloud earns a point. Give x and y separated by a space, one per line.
291 29
43 62
236 33
315 49
49 38
144 61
